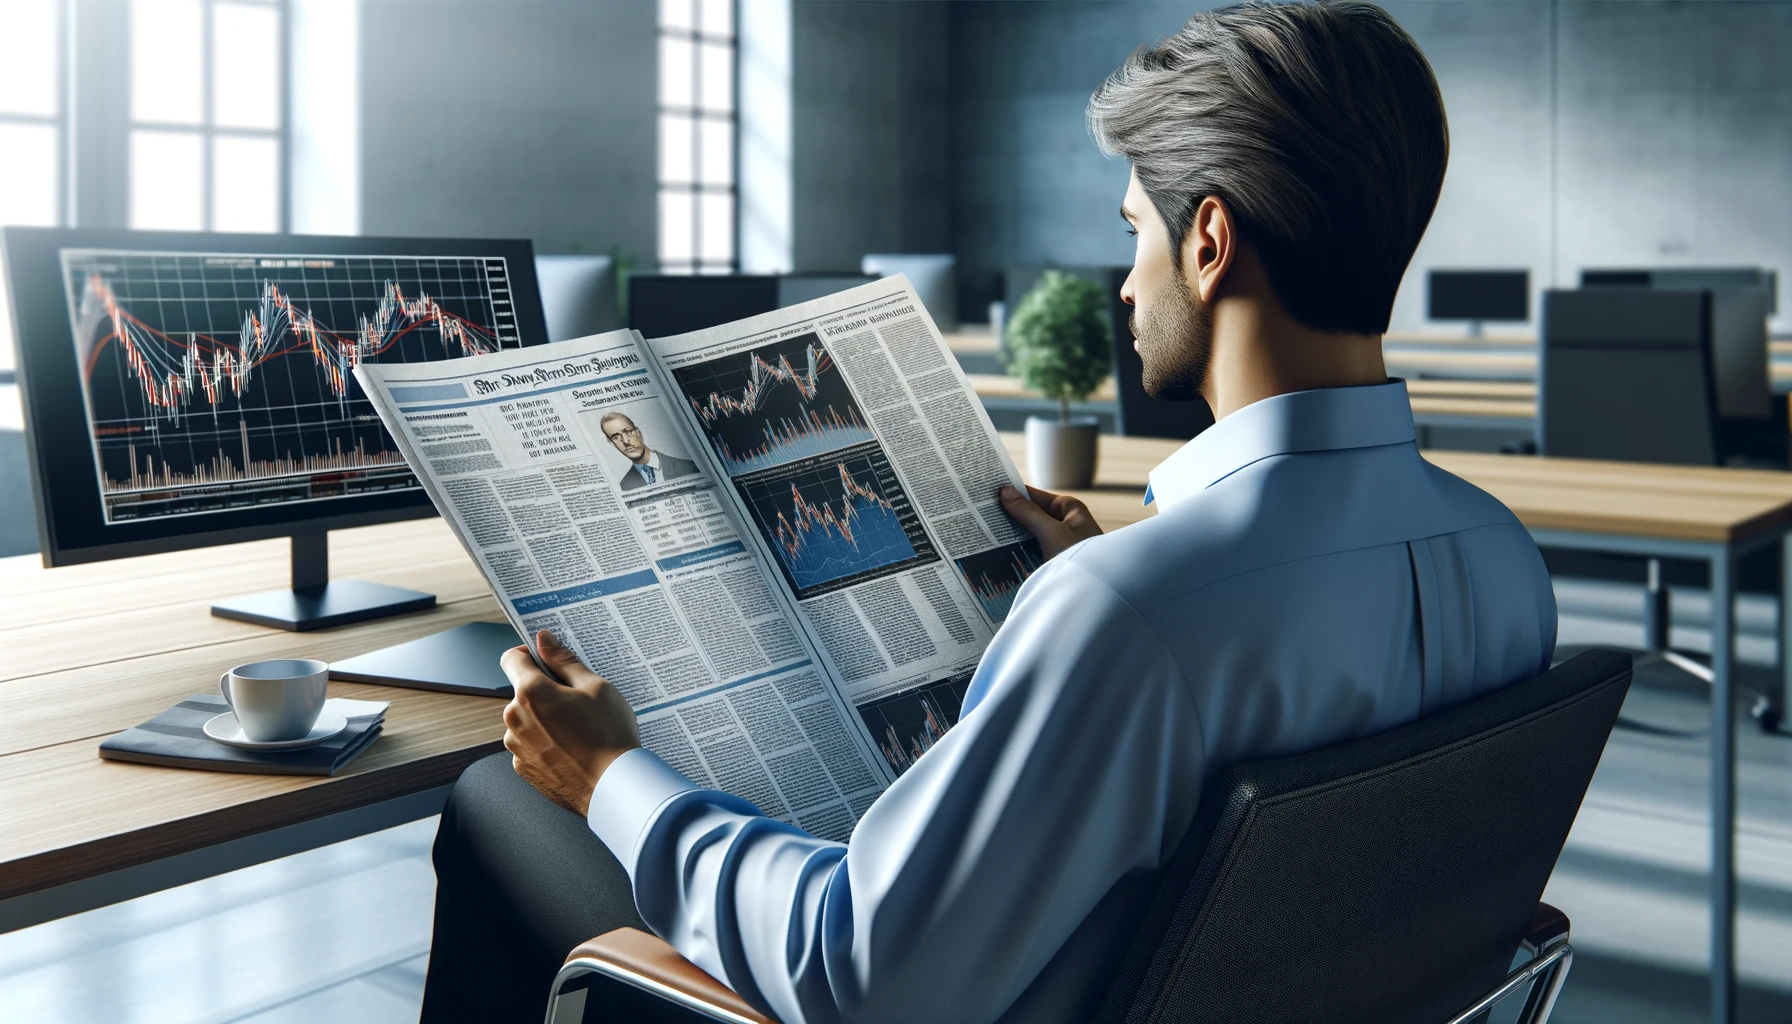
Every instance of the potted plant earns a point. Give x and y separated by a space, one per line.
1060 344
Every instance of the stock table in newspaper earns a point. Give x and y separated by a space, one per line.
867 472
570 480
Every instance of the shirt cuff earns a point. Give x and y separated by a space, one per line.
628 794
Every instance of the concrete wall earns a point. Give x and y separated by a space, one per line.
870 110
1583 134
512 118
1030 186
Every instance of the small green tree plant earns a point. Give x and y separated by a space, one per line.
1060 341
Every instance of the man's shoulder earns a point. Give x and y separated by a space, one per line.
675 466
1284 511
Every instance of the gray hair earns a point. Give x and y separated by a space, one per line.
1321 127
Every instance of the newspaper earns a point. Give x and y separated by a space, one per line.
778 538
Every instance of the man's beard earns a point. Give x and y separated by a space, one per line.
1177 345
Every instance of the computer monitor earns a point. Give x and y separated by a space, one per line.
578 295
794 289
661 305
934 277
185 390
1478 296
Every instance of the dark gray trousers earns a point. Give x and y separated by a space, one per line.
519 883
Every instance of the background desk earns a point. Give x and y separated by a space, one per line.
88 651
1714 515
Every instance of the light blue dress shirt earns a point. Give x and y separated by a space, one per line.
1308 579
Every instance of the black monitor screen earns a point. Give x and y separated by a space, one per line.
219 380
1479 295
662 305
191 387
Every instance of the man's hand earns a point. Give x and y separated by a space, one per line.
564 731
1057 520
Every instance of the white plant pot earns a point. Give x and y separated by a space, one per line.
1061 456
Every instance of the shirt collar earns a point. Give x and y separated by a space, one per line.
1302 421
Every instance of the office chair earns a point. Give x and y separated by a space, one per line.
1627 374
1669 375
1388 879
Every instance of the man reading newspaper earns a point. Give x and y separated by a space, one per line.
1285 162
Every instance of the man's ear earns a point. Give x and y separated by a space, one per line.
1208 248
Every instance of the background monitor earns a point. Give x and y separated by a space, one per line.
794 289
933 276
183 390
1478 295
661 305
578 295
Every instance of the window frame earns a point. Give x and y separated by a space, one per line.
209 131
697 114
59 122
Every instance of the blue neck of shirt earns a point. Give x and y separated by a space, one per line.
1326 419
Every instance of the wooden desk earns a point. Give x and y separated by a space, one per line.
1459 340
1511 364
1709 514
972 339
88 651
1000 385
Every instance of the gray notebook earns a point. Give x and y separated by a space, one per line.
175 739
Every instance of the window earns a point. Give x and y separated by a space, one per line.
206 125
697 137
31 125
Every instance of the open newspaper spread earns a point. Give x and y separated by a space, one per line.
779 538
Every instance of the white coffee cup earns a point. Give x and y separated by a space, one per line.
276 700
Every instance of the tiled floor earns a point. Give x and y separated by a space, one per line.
341 934
336 934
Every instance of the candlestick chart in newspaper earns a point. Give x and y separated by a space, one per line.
995 575
835 520
907 724
773 405
220 381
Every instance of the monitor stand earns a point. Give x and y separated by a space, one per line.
316 603
1474 328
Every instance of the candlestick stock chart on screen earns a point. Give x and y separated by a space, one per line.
225 381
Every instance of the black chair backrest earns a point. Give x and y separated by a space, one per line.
1389 879
1627 374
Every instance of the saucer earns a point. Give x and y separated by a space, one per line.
227 730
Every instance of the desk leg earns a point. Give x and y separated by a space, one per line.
1781 709
1723 791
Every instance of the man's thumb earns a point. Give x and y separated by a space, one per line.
1037 521
553 653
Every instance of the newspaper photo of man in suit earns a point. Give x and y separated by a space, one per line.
648 465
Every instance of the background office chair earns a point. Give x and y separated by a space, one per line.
1627 374
1658 373
1387 879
